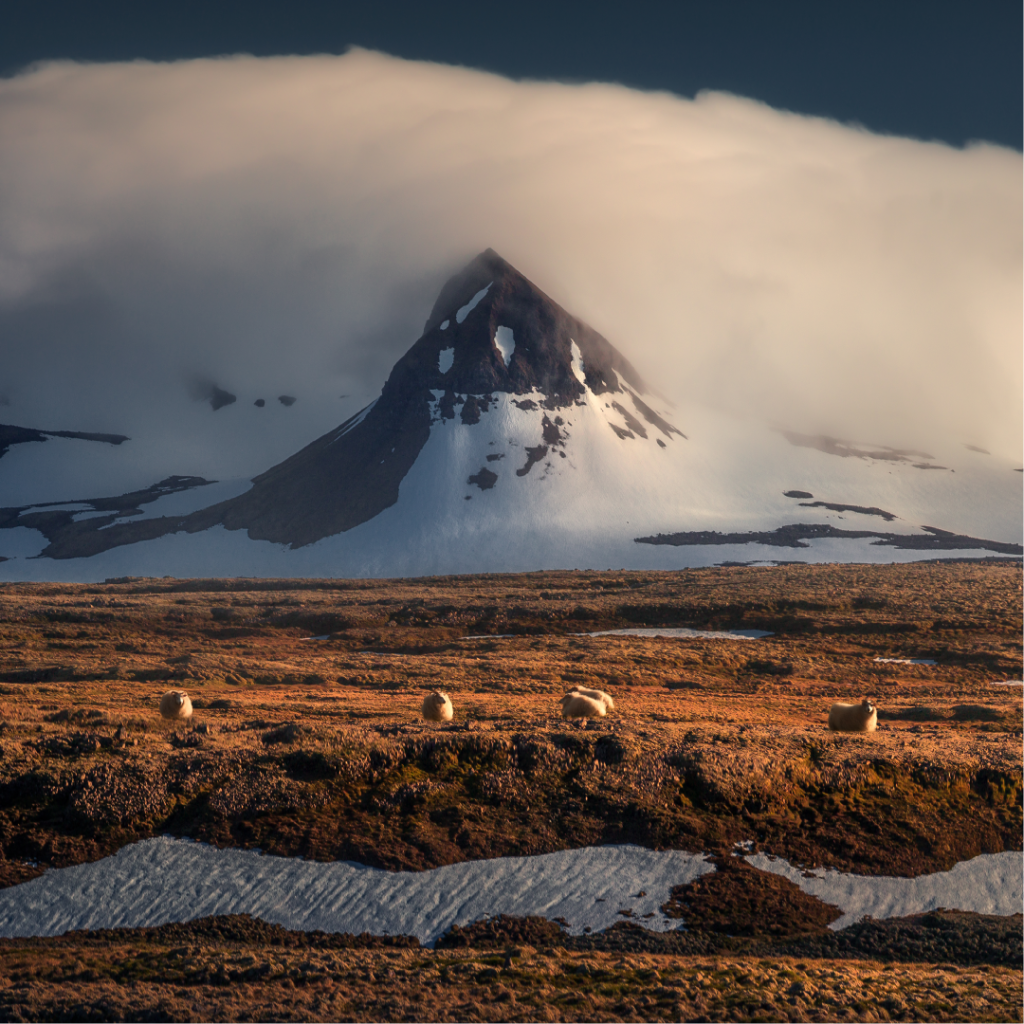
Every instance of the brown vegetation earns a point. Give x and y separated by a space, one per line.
316 747
234 969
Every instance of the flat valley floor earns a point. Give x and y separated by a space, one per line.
307 741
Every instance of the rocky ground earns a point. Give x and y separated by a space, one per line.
315 747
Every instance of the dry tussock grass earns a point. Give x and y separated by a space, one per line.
209 980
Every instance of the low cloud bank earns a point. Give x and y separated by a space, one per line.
281 226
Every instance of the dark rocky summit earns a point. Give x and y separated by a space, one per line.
543 333
208 391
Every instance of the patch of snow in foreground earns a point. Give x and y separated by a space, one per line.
1009 682
162 880
682 633
468 308
989 884
505 343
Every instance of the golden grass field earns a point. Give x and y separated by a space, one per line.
316 747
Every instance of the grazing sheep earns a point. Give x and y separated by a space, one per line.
575 705
600 695
174 704
862 717
437 707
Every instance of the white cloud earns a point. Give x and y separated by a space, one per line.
283 225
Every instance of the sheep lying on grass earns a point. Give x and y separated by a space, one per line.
437 707
600 695
175 705
576 705
862 717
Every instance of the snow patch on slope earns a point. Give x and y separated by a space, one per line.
239 440
20 542
445 359
578 367
468 308
63 469
505 343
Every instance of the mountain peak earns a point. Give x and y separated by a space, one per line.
493 330
459 289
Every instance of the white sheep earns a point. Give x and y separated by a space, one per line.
605 698
437 707
174 704
862 717
576 705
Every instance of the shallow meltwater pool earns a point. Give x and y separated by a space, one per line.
669 632
164 880
683 633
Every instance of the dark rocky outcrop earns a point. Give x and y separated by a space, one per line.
11 435
796 535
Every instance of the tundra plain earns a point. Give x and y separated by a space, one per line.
307 740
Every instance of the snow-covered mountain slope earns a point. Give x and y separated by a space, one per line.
511 436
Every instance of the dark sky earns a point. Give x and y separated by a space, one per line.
930 69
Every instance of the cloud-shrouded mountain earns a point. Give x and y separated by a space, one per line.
496 352
513 436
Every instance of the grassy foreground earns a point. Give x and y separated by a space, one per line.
176 974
